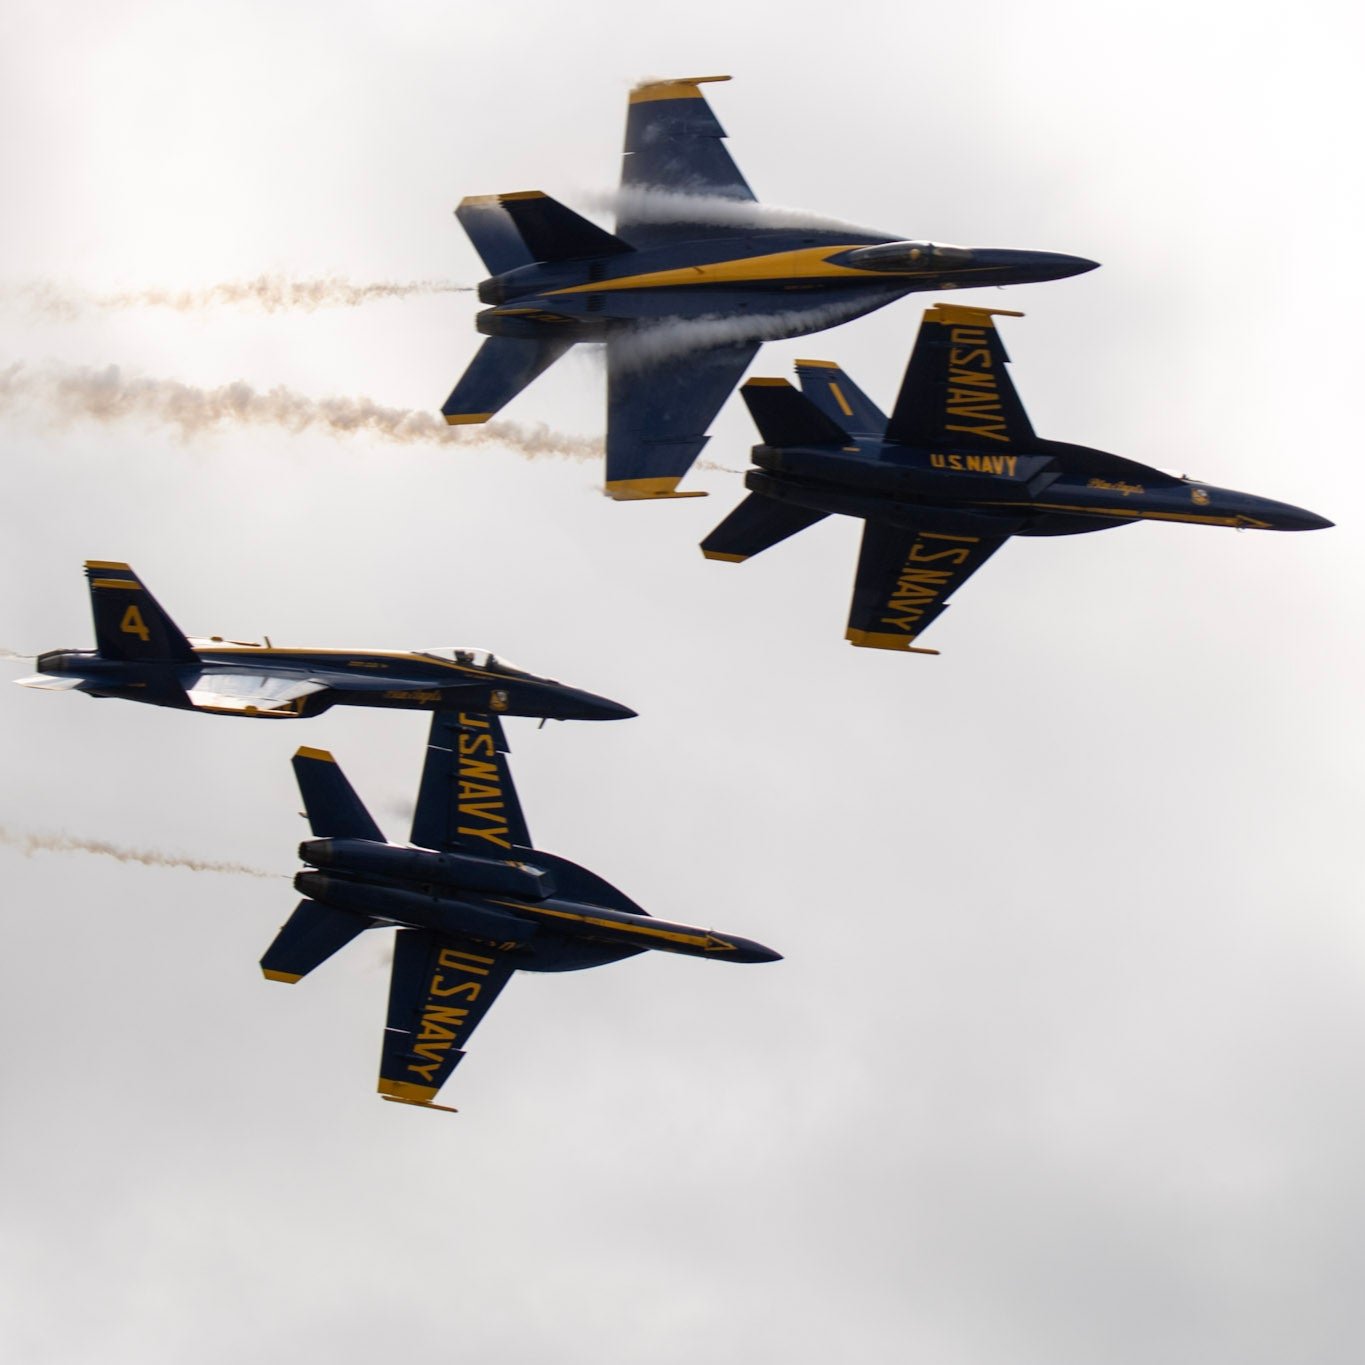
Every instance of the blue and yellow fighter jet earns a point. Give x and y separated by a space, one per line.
947 480
695 278
140 655
473 900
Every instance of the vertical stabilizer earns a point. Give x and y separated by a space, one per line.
129 622
334 810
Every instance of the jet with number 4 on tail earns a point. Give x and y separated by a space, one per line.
946 480
472 899
141 655
695 278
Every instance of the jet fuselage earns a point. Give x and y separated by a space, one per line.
795 282
1054 488
472 680
549 913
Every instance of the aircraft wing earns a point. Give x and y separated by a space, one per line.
905 577
272 694
674 147
957 392
658 412
467 801
441 987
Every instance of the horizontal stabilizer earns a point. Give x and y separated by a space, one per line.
501 369
334 810
309 937
755 524
129 622
552 232
49 682
786 417
493 233
839 398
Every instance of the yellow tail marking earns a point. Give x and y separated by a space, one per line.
321 755
840 399
460 419
287 977
766 384
129 584
818 364
727 559
106 564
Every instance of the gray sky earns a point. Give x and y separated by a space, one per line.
1062 1065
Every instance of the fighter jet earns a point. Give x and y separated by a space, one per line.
943 484
695 278
473 899
142 656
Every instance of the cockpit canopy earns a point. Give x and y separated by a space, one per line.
900 257
471 658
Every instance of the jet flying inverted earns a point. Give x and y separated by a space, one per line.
142 656
473 900
695 278
947 480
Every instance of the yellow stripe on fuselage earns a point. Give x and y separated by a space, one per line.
1133 514
809 263
706 942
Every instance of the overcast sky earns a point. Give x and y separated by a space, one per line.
1063 1063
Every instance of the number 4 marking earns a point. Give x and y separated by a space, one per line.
133 624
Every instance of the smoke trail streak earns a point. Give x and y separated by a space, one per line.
645 204
108 395
656 343
30 844
268 293
10 654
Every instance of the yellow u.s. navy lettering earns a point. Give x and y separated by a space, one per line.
977 464
916 588
972 392
441 1024
480 798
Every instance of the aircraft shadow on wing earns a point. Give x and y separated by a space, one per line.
471 897
141 655
695 278
946 480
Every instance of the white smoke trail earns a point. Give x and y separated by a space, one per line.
30 844
108 395
10 654
646 204
656 343
267 293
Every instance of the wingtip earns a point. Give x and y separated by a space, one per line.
872 639
673 88
648 490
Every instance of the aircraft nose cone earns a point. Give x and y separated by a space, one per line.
1030 267
1307 521
746 950
577 705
